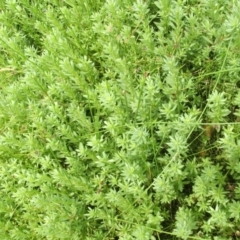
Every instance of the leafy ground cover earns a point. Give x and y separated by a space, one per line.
119 119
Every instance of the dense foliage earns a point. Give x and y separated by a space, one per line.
119 119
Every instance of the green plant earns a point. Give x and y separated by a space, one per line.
119 119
